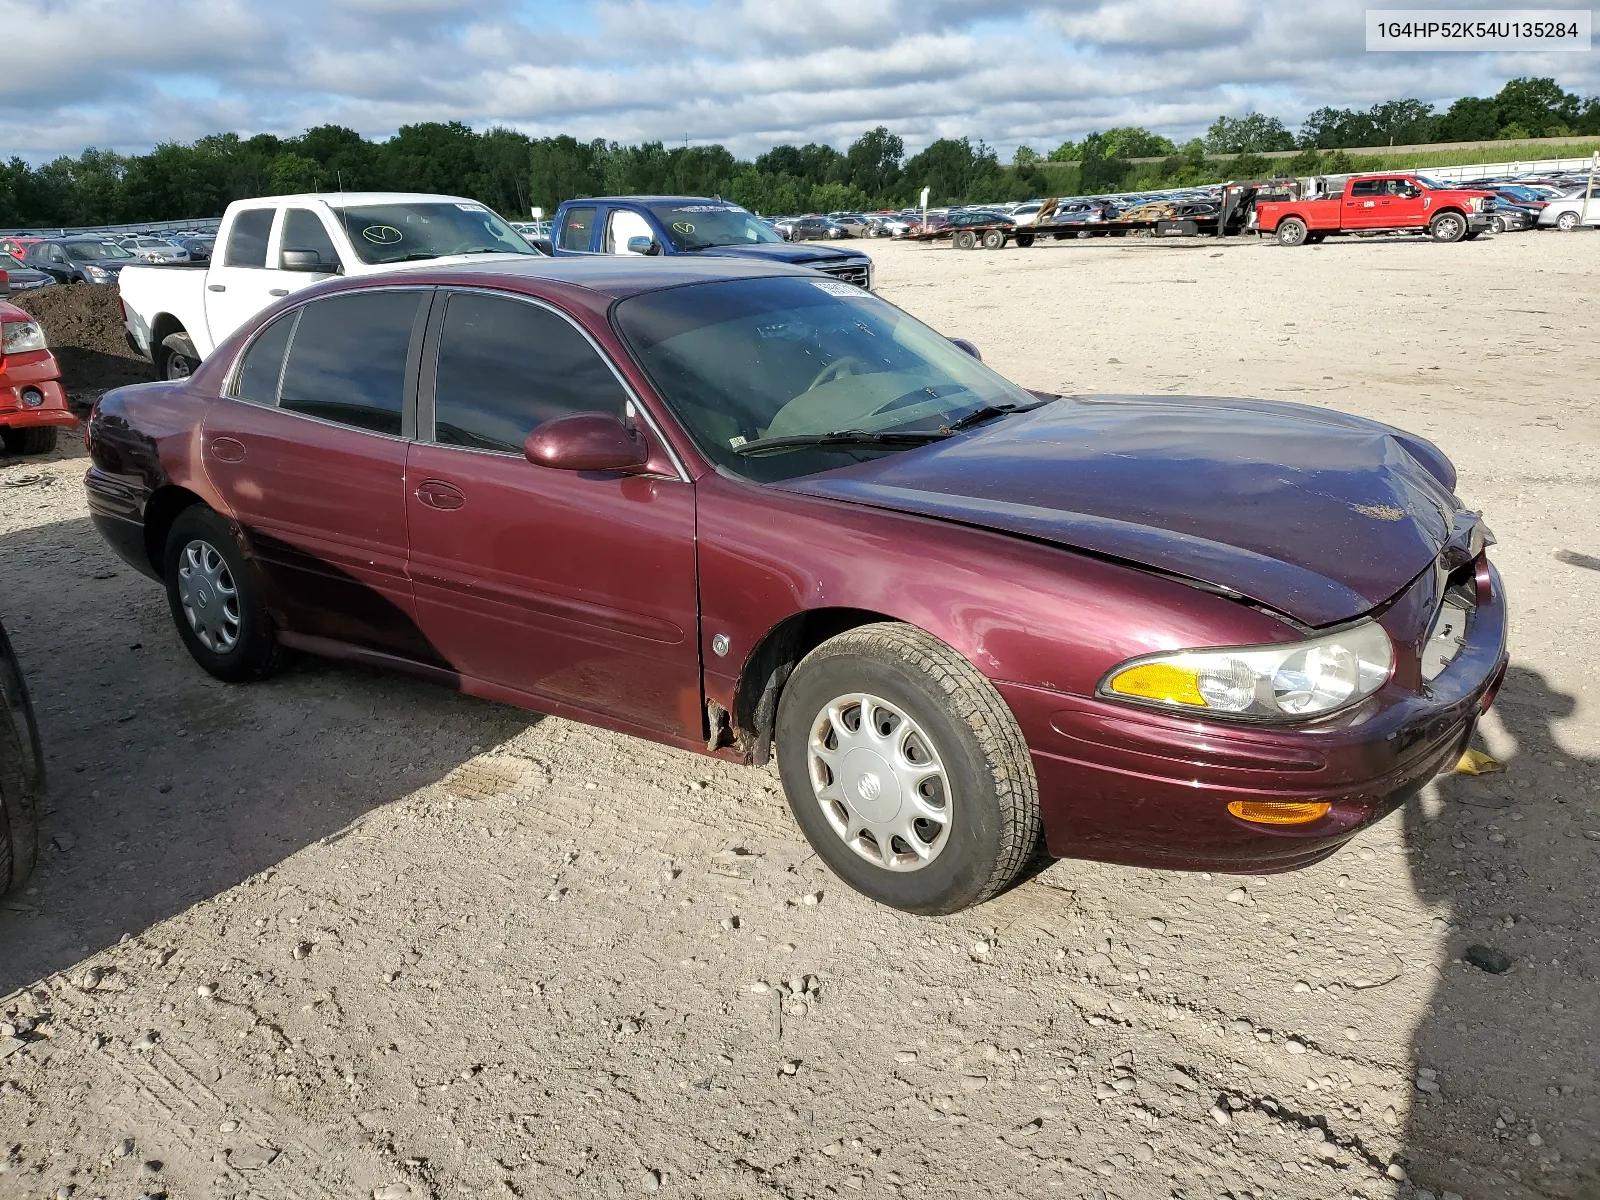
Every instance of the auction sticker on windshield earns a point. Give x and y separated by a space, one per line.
834 288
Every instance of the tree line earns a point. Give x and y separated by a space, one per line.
514 173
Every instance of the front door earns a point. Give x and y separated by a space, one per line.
1365 205
310 455
574 587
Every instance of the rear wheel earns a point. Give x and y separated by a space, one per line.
216 599
1315 239
40 439
906 770
993 239
176 357
21 776
1024 240
1291 232
964 239
1448 227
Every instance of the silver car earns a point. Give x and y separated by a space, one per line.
154 249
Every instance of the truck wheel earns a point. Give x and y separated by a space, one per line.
1473 236
21 776
993 239
906 771
964 239
1316 239
216 599
1448 227
39 440
1567 222
1292 232
1024 240
176 357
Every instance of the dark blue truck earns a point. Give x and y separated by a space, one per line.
649 225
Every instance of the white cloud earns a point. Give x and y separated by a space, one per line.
128 73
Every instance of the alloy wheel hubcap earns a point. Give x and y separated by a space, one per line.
209 596
880 782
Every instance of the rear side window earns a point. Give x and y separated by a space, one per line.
304 230
347 360
577 229
247 241
1365 187
506 366
257 380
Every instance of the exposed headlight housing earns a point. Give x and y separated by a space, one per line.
97 272
22 336
1290 682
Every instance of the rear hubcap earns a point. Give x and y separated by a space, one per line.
209 597
880 782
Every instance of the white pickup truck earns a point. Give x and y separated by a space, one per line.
267 248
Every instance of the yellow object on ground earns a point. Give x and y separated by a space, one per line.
1476 762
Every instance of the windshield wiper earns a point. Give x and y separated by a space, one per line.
843 437
989 412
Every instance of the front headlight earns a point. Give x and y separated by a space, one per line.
97 272
21 336
1273 683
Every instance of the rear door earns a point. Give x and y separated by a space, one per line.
308 448
576 587
577 232
1366 205
238 282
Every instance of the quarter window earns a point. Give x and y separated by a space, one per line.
577 229
257 380
506 366
247 241
347 359
304 230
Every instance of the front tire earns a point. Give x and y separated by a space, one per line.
1448 227
906 771
216 599
1291 232
1497 225
1567 222
176 358
964 239
40 439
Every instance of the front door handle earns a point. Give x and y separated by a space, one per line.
435 493
216 287
277 291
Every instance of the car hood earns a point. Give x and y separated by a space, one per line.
801 254
1315 514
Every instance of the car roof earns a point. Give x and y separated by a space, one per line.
615 277
655 200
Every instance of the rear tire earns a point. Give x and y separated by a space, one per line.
964 239
217 600
40 439
993 239
926 750
21 776
1292 232
1024 240
176 357
1448 227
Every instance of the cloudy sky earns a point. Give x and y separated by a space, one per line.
748 73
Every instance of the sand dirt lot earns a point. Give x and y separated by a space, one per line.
343 935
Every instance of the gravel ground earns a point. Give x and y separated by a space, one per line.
345 935
83 324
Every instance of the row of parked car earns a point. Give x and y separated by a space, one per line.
32 262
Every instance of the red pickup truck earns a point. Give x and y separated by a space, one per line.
1372 202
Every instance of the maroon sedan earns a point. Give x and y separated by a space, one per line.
741 507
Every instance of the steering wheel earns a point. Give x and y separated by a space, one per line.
837 369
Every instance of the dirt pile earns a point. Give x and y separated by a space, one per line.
83 324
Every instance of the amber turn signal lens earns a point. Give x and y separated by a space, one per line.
1264 812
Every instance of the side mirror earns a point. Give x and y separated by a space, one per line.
589 441
967 346
304 260
643 245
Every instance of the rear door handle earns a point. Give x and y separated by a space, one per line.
216 287
435 493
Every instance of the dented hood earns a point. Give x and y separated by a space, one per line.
1318 515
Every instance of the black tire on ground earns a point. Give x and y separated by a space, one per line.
21 776
1567 222
176 357
1292 232
1024 240
1315 239
964 239
992 802
41 439
1448 227
993 239
254 653
1498 225
1472 235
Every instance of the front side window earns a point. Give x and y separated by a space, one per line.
742 360
506 366
247 240
347 359
621 225
304 230
577 230
699 226
257 378
394 233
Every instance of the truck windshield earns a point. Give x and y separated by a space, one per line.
794 358
701 226
1433 185
391 233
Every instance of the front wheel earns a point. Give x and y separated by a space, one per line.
993 239
1448 227
1291 232
40 439
216 599
1567 222
906 771
964 239
1473 236
176 357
